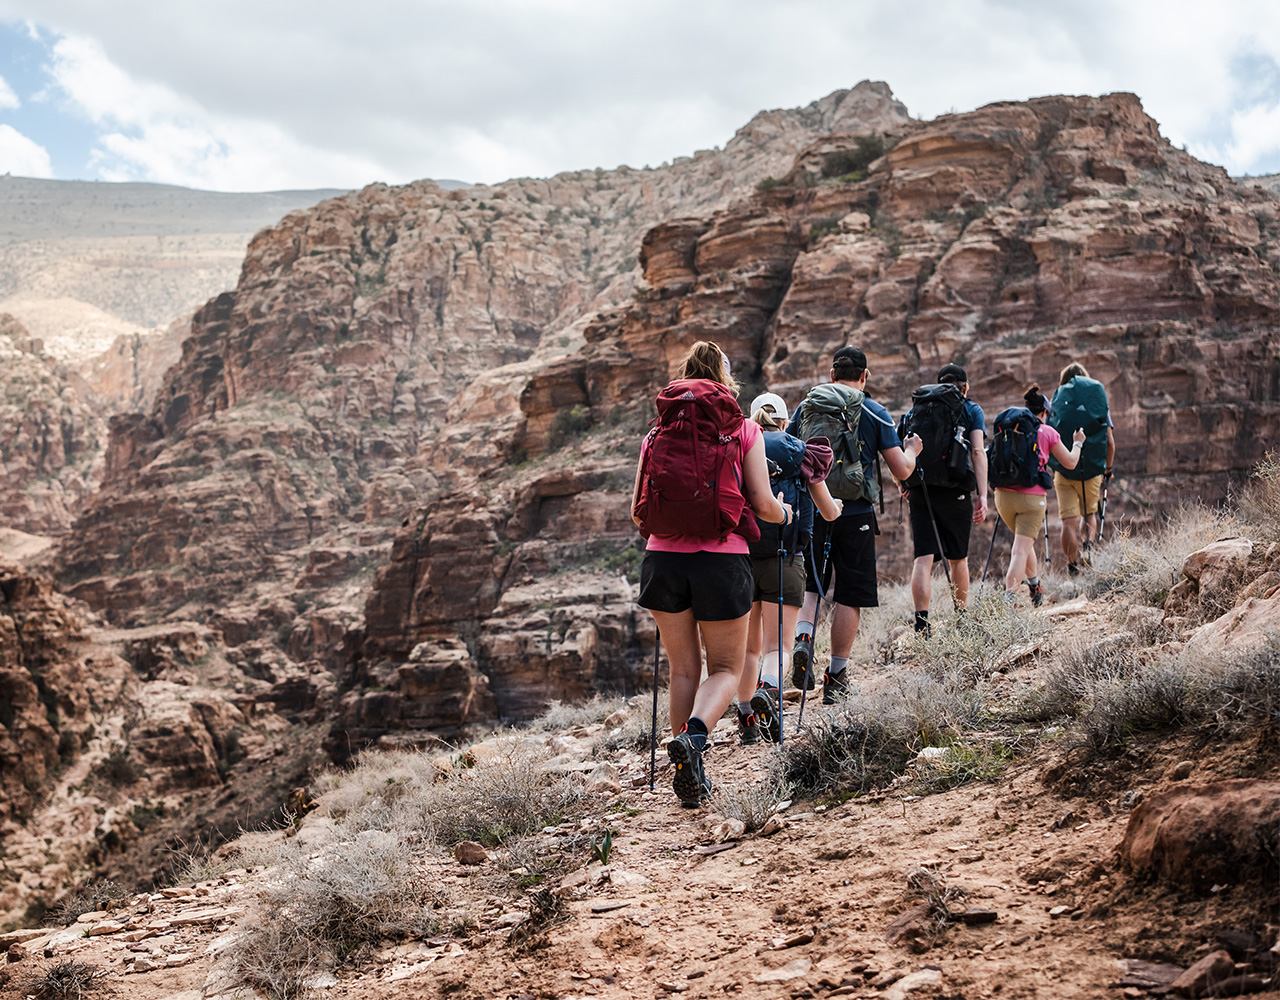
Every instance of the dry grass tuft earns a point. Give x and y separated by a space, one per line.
67 980
1259 500
94 897
1145 568
753 803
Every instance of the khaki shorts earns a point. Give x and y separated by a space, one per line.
1076 497
1022 512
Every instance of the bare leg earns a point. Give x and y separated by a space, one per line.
726 645
769 614
921 582
684 652
1091 527
1071 538
1022 562
960 580
844 629
751 662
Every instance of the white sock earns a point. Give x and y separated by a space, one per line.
769 678
838 664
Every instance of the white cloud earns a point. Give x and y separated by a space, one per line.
8 99
150 132
22 156
241 92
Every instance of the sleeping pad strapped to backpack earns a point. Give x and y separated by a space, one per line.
937 415
690 477
1013 457
1082 404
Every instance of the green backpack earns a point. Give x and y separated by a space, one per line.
833 411
1081 404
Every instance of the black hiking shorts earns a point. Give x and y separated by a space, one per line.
718 586
852 562
952 509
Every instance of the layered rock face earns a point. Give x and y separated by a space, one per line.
51 436
484 362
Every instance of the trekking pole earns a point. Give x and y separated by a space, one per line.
822 594
937 537
653 725
990 548
1046 541
1102 506
781 552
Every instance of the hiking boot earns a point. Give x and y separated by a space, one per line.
802 662
764 705
834 687
690 782
1037 594
748 730
1073 569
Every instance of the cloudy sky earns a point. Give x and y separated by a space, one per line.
268 94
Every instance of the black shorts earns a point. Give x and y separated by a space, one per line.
852 560
953 511
716 585
765 571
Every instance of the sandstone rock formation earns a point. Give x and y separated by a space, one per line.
488 357
51 437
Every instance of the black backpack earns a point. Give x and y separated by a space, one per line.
1013 457
937 415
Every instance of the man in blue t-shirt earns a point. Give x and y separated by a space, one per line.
948 512
852 536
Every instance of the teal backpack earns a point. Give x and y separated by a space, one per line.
1082 404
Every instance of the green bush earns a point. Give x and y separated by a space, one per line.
568 425
845 163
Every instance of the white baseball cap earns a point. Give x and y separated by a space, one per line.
770 401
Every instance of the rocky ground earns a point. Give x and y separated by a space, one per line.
1069 869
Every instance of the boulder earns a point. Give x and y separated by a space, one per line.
1225 832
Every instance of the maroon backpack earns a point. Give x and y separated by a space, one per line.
691 477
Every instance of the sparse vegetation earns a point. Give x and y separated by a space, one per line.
66 980
753 802
93 897
850 165
568 425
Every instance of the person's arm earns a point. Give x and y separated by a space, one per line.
902 461
1111 450
755 487
828 506
1071 457
979 456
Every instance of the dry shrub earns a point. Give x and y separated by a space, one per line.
969 647
1117 688
505 791
317 908
753 803
546 910
849 750
1259 500
959 763
559 717
931 887
1145 568
94 897
67 980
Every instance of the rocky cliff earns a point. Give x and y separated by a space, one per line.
471 369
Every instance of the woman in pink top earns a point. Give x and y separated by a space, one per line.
699 589
1022 509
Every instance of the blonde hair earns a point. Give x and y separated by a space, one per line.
768 420
1071 371
706 360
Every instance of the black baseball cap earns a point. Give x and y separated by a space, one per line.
852 354
952 373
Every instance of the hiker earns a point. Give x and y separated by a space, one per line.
861 431
948 493
1081 402
1021 446
801 474
695 578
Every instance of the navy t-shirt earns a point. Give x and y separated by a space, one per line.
876 433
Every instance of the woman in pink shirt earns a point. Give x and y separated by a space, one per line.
1022 509
698 588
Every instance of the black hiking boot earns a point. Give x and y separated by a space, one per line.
834 687
748 730
802 663
764 703
1073 569
1037 594
690 782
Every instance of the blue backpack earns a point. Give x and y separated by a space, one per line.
1013 457
785 454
